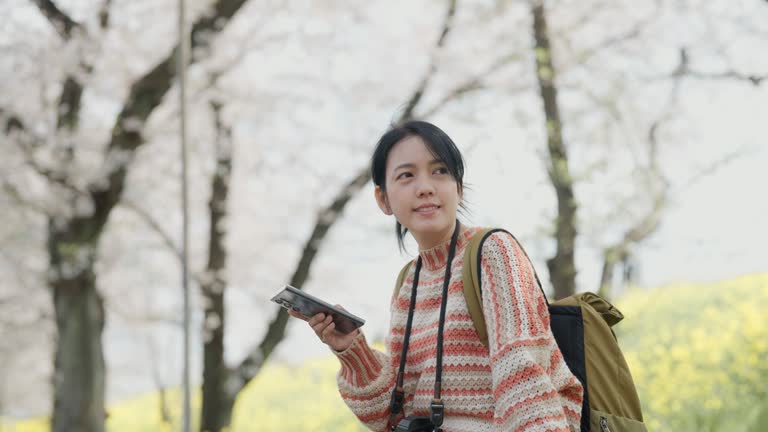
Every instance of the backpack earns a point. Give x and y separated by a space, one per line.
581 324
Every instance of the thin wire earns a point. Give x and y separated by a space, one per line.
182 73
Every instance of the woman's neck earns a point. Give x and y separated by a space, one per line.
430 241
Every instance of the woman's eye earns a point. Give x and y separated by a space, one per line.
442 170
403 175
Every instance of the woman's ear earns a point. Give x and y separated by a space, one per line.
381 200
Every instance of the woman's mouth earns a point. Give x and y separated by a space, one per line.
427 209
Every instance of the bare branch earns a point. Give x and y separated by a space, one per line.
15 194
27 143
104 14
68 113
12 123
217 72
147 317
659 186
472 84
684 70
144 96
155 226
33 322
581 20
160 385
625 36
326 218
152 223
60 21
716 165
729 74
416 96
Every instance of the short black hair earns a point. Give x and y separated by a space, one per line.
439 144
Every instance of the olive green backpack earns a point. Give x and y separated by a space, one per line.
581 324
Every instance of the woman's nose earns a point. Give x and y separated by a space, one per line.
424 188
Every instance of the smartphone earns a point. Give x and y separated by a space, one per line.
308 305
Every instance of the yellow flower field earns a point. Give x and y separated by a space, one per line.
698 354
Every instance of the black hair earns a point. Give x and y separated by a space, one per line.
439 144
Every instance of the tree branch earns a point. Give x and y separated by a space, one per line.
327 217
684 70
729 74
471 85
144 96
68 110
422 87
104 15
155 226
649 223
27 143
12 122
146 317
60 21
629 34
15 194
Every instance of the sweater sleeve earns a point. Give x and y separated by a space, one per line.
532 386
365 382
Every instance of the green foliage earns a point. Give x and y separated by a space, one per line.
697 353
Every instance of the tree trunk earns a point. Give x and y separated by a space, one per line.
79 370
611 257
217 402
562 267
643 229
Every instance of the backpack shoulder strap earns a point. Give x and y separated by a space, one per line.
473 293
471 281
400 279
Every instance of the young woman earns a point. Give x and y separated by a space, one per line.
519 382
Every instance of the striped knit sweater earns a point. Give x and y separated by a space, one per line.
520 382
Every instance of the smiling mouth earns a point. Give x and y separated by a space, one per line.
427 209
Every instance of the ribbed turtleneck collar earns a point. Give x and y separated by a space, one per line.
436 257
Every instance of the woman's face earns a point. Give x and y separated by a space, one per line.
421 193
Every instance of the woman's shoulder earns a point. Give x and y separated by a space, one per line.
497 240
494 232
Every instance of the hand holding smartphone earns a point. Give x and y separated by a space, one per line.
308 305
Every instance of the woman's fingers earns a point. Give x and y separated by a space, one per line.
297 315
325 329
328 331
320 324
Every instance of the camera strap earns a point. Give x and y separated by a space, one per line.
436 408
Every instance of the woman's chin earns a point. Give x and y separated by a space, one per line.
431 226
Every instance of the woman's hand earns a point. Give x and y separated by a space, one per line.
325 329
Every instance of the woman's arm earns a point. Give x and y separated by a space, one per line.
365 382
366 378
533 388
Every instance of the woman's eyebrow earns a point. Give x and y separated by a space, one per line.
410 165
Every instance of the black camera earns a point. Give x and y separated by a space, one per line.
429 423
415 424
